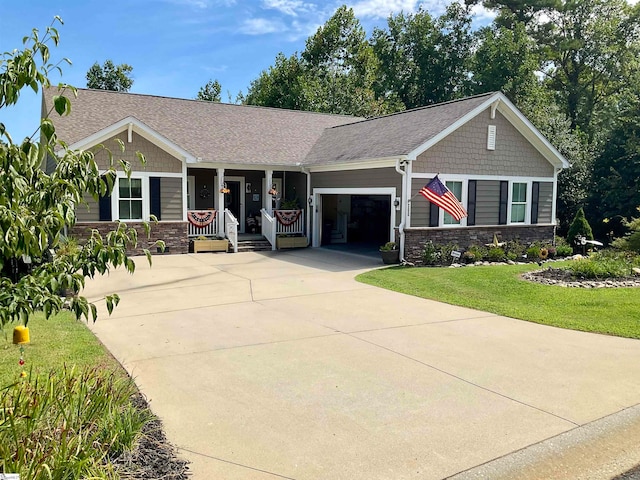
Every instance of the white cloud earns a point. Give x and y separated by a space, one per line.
289 7
202 4
261 26
382 8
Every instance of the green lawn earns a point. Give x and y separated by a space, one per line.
498 289
55 342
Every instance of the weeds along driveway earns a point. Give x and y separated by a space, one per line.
281 365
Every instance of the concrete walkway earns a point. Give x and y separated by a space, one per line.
281 365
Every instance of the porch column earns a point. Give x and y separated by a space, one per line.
221 227
268 203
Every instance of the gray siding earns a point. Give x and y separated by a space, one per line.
487 202
89 212
157 159
420 207
373 177
545 202
171 199
465 152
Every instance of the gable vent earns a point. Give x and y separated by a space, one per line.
491 138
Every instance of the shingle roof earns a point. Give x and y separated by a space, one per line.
216 132
392 135
237 134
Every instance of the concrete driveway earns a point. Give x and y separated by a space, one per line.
281 365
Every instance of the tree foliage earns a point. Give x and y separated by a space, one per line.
110 77
210 92
35 206
579 228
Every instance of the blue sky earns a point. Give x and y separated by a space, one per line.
176 46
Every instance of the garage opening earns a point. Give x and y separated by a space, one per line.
358 221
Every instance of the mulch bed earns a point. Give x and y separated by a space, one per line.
154 457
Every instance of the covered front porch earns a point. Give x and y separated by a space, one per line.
271 206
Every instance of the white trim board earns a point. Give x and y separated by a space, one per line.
138 127
467 176
317 206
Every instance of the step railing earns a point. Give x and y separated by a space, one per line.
231 228
268 228
198 226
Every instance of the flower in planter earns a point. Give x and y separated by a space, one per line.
387 247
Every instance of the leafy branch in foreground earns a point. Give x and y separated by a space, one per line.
36 207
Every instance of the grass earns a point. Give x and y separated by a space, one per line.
499 290
55 342
73 413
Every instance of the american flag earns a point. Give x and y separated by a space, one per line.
437 193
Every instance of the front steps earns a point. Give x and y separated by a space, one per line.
253 245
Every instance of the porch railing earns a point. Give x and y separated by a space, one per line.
231 227
268 228
201 228
289 221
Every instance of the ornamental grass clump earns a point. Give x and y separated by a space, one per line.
69 424
604 265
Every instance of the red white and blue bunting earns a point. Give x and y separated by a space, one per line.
201 218
287 217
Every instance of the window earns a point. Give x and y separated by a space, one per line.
456 189
518 202
130 198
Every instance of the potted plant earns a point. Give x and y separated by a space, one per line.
390 253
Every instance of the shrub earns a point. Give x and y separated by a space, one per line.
387 247
496 254
564 251
552 252
579 227
444 252
515 248
479 252
533 252
633 242
605 264
512 256
430 254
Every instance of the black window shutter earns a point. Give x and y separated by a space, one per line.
104 206
154 193
434 215
471 202
504 203
535 199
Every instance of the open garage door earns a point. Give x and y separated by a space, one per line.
354 219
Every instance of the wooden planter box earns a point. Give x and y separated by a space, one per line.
210 246
291 242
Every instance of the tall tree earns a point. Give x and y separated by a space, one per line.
334 74
505 60
35 207
110 77
424 60
210 92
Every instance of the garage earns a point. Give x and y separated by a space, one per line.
353 218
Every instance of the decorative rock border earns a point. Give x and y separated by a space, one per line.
562 278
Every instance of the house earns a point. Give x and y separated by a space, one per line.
211 167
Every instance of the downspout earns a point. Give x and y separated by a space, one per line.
403 208
308 202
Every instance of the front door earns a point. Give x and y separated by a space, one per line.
234 200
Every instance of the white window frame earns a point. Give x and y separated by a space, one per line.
146 200
527 202
465 189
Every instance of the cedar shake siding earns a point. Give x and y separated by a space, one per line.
465 152
157 159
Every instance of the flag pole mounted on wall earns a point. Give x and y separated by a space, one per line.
437 193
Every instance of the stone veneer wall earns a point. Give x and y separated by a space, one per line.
415 238
174 235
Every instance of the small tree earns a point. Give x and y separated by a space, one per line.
110 77
210 92
579 228
35 206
